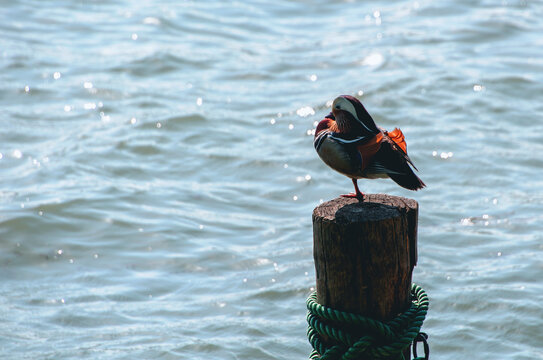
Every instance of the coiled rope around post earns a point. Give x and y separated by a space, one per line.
354 336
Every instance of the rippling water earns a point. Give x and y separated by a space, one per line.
158 174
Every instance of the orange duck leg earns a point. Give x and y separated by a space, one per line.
357 194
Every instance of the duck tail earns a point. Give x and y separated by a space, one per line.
409 181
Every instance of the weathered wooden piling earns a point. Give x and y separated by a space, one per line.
365 253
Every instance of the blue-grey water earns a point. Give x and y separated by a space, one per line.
158 174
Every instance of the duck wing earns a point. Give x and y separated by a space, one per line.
392 159
398 138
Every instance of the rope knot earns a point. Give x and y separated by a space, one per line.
353 336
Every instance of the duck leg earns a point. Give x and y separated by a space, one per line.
357 194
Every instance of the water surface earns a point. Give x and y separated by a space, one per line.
158 173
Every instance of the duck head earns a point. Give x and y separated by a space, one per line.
351 116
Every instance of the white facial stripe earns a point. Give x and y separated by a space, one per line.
346 105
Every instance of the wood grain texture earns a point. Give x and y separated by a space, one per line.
365 253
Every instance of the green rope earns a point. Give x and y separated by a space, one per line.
379 340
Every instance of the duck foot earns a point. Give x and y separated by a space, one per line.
357 194
353 196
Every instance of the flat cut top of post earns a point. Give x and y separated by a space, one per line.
375 207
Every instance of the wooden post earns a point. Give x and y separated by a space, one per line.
365 253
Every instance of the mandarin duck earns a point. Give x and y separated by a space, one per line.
349 142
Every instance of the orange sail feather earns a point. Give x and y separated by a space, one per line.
397 136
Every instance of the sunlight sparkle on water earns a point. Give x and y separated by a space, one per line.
105 118
17 154
151 21
305 111
443 155
373 59
377 16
